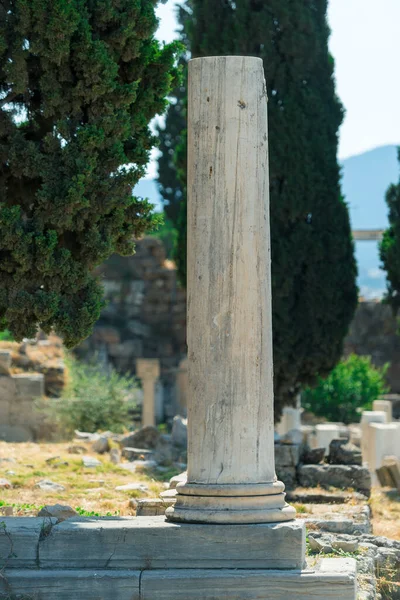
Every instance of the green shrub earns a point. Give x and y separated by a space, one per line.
351 387
5 336
95 398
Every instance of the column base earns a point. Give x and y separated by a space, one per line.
240 503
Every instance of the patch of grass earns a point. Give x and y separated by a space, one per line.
300 508
30 460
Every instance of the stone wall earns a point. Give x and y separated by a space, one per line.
30 374
145 316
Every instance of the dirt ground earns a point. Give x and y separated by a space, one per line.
91 491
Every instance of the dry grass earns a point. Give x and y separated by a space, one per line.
90 489
385 507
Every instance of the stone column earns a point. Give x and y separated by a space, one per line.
231 466
182 385
148 370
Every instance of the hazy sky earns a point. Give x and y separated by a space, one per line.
365 43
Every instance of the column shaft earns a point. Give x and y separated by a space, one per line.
231 468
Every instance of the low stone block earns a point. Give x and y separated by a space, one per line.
5 362
287 456
152 507
29 386
153 543
68 585
335 578
340 476
15 433
19 540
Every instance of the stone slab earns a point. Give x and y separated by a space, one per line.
19 537
70 585
153 543
29 385
334 579
339 476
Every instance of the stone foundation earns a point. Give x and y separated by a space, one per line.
151 559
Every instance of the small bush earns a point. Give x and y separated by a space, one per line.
95 399
350 388
5 336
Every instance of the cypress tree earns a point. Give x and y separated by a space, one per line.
390 246
79 82
313 265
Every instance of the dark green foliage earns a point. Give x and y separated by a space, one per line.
168 234
351 387
171 138
79 82
313 266
390 246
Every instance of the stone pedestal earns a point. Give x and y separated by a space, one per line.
182 386
384 406
148 370
383 439
325 433
291 419
231 467
367 417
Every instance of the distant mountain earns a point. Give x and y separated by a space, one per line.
366 178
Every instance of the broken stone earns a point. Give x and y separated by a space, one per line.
313 456
85 436
132 487
58 511
115 456
91 462
342 452
179 431
166 453
52 459
147 437
345 545
7 511
320 545
152 507
49 486
5 484
327 543
287 455
77 450
136 453
294 436
101 445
